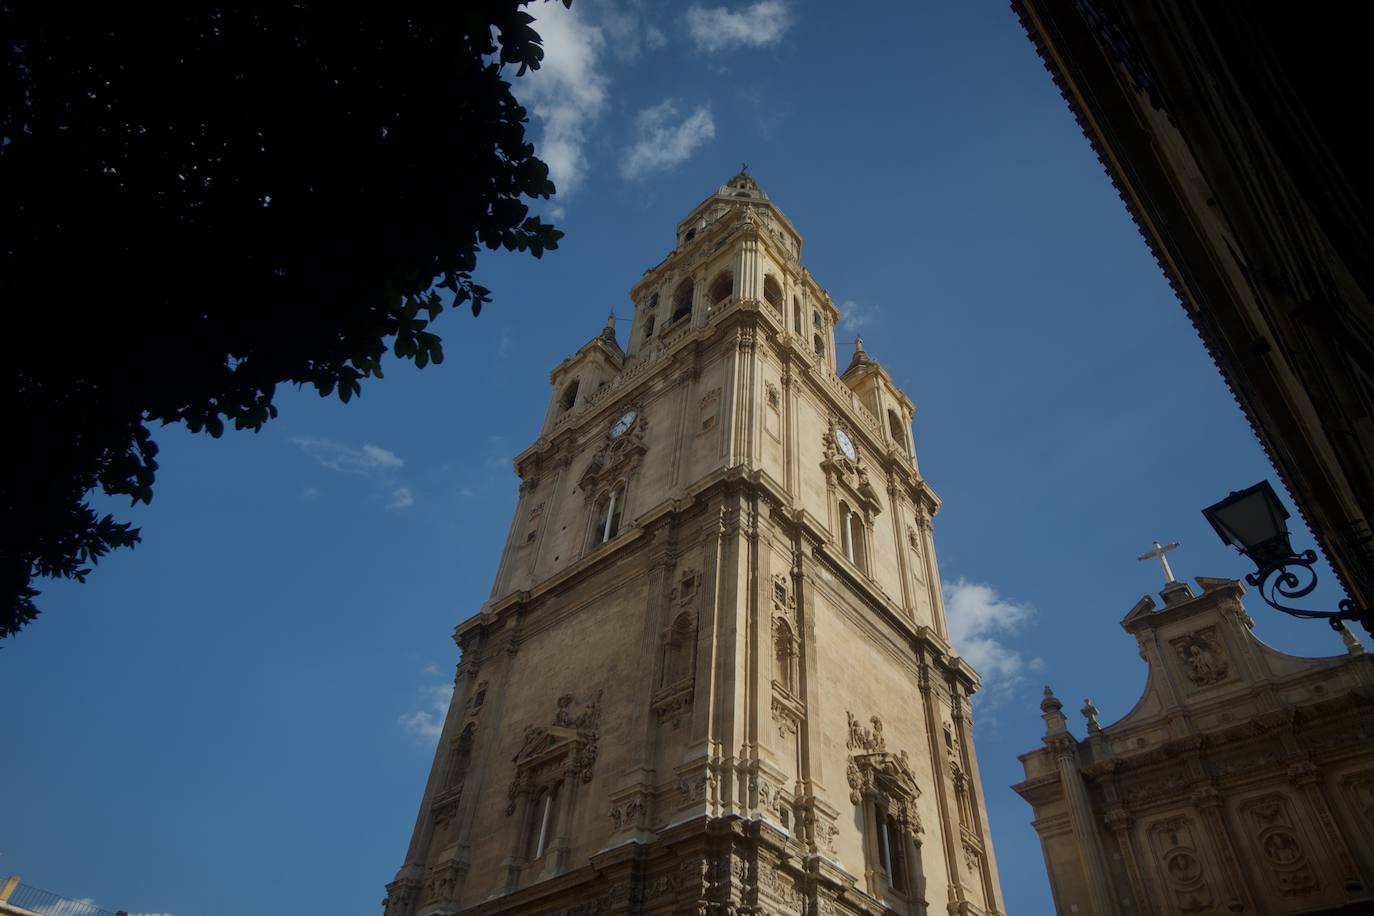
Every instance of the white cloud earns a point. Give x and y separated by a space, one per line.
425 724
982 627
654 37
716 28
368 461
371 462
661 141
567 93
855 316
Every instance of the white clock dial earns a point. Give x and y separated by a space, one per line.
846 445
623 424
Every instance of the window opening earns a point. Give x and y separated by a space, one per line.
649 327
608 520
569 397
772 292
721 287
818 345
796 314
894 425
682 301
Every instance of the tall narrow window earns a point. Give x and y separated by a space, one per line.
796 315
818 345
846 532
609 509
784 654
542 825
649 327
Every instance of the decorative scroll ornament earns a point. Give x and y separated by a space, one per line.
886 776
852 473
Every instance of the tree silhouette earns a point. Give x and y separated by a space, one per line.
203 203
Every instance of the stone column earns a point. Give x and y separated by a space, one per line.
1307 778
939 766
1119 821
895 502
1207 800
1065 749
963 727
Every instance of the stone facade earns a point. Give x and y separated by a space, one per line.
1241 782
714 673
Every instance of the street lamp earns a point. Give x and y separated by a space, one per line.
1254 522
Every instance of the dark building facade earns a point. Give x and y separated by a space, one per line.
1230 131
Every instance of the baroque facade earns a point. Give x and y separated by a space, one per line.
714 674
1241 782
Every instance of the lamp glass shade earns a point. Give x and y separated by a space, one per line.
1251 518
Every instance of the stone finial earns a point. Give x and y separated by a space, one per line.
608 332
1052 711
1352 642
1089 712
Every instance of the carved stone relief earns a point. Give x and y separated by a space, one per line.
873 771
1182 869
1359 792
1204 661
1269 820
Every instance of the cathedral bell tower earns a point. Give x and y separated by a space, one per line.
714 673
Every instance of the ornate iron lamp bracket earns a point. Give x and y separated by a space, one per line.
1277 578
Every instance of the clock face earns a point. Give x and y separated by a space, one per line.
846 445
623 424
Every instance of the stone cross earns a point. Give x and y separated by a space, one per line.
1159 552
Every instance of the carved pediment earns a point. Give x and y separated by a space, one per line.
568 744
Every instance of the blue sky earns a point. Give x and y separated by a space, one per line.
238 716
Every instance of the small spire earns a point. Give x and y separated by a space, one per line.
861 358
1050 703
608 332
1053 713
1352 643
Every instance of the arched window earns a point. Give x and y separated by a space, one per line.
608 514
818 344
649 327
721 287
772 292
894 426
569 398
691 234
796 315
682 301
784 656
816 320
677 660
